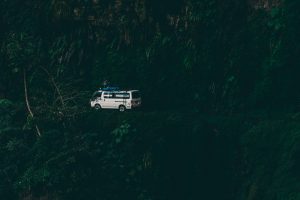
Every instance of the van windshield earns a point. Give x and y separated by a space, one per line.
136 95
97 94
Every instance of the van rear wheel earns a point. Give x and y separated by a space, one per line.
122 108
97 107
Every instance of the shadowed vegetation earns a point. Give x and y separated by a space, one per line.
220 89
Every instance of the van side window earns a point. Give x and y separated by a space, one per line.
121 95
107 95
136 95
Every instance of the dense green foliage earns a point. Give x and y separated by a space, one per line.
220 87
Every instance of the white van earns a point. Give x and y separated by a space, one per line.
116 99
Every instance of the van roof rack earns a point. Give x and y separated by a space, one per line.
110 89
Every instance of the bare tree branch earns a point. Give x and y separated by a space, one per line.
55 85
27 102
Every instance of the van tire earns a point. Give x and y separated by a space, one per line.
122 108
97 107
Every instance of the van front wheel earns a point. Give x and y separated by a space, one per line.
122 108
97 107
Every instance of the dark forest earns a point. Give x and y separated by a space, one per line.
220 87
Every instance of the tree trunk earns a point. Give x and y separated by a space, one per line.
27 103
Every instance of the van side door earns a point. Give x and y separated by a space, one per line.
108 101
121 98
